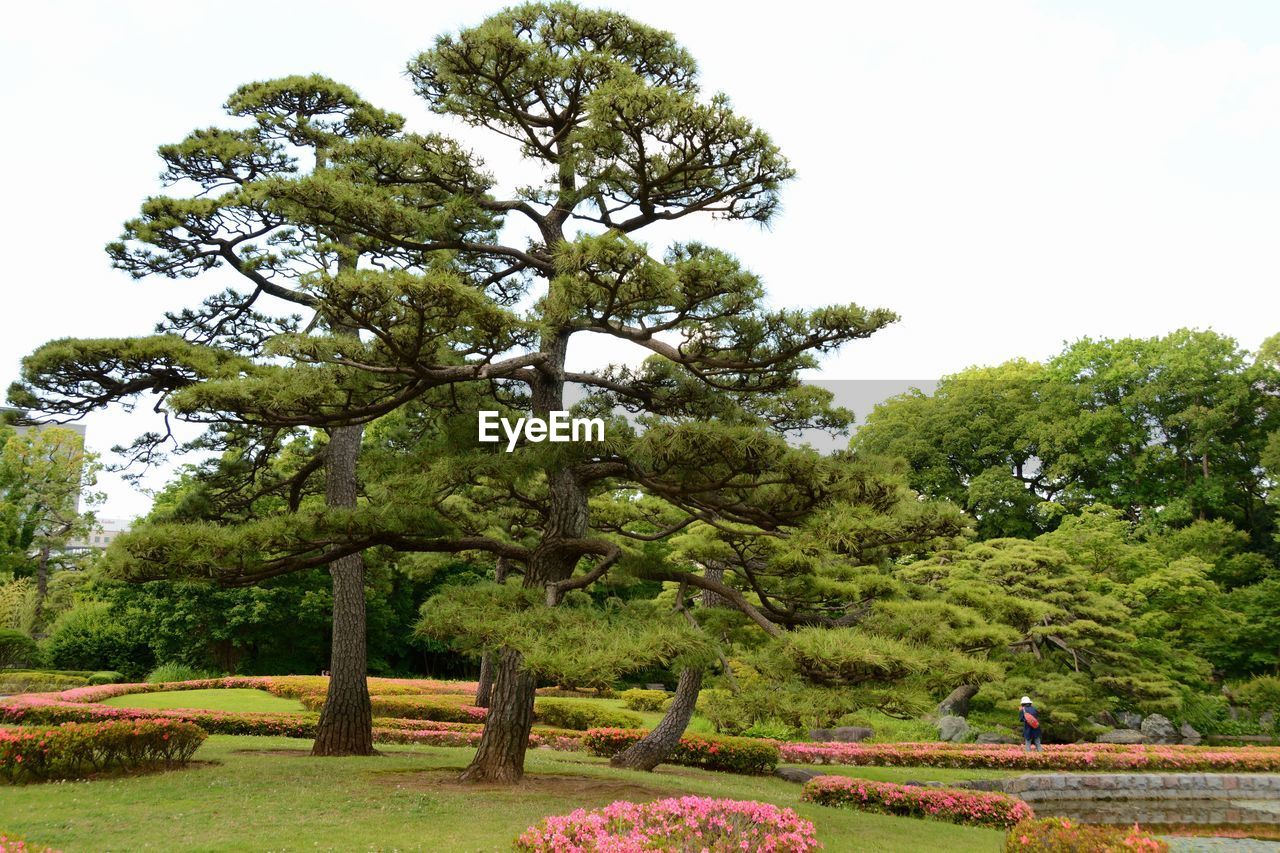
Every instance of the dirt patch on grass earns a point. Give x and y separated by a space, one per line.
552 784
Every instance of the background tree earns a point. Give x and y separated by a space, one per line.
45 476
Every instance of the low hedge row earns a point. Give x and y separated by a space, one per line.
1120 757
581 715
730 754
976 808
1062 835
73 750
444 709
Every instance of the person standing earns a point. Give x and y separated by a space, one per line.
1030 719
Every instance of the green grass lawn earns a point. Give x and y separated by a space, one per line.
236 699
249 795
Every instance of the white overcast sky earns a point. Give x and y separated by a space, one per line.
1006 175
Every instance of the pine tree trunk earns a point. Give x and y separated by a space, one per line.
658 745
346 720
500 757
42 589
484 689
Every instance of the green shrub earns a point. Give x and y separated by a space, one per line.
646 700
581 715
1260 695
106 676
1059 835
17 649
719 707
38 681
75 749
167 672
730 754
91 637
774 729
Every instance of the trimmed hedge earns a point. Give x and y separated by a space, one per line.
1070 756
679 823
73 750
38 681
17 649
647 700
730 754
582 715
975 808
1062 835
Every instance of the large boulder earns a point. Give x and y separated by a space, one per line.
996 737
1189 734
1129 720
952 728
1159 729
842 734
1124 736
795 774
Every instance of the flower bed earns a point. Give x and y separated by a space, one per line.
683 823
76 749
1060 834
731 754
1119 757
977 808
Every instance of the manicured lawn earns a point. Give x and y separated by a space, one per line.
235 699
251 798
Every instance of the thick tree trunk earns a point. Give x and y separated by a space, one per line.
484 689
656 746
500 757
346 720
957 704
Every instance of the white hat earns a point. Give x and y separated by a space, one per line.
1026 700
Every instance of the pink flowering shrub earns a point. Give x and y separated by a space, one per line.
75 749
1081 756
683 824
1063 835
979 808
10 843
731 754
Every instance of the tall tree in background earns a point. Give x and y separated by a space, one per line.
229 221
45 476
1168 430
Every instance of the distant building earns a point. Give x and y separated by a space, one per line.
104 533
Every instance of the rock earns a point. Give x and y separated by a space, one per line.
953 729
1189 734
795 774
1108 720
1158 729
1267 719
842 734
996 737
1124 736
1129 720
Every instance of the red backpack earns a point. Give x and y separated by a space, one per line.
1032 719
